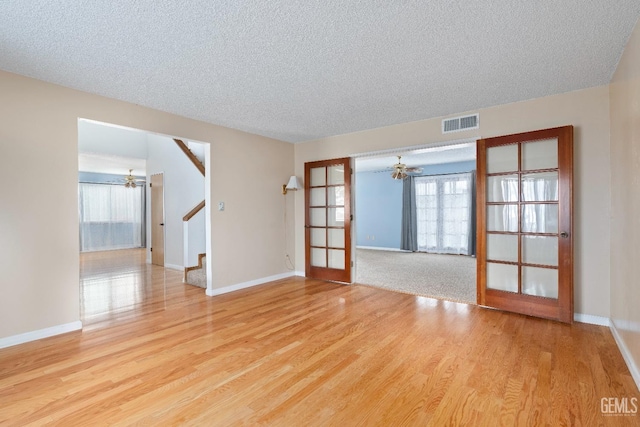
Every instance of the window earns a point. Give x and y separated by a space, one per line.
111 217
444 213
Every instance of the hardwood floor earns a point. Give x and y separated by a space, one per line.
303 352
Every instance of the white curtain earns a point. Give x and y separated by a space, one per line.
444 213
111 217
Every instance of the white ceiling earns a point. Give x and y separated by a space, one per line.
422 157
105 163
298 71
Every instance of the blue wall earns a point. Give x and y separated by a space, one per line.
103 178
378 199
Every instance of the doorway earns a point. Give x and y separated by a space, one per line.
442 263
157 219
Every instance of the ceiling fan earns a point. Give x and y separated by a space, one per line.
130 181
400 170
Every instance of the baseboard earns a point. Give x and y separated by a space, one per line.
39 334
593 320
626 354
238 286
300 274
380 248
174 267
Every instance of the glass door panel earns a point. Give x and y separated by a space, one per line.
502 188
541 282
540 218
540 250
502 218
540 154
502 159
540 187
503 277
502 247
524 231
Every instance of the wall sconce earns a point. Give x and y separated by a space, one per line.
294 184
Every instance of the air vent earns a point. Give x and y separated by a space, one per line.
458 124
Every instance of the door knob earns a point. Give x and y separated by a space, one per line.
162 223
564 234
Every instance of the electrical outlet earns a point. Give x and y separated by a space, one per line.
221 206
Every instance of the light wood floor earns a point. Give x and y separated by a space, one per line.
302 352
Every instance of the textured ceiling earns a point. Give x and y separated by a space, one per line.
298 71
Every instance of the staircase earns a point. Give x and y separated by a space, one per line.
197 275
194 275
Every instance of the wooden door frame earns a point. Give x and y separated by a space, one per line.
526 304
330 274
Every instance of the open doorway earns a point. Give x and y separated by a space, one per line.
122 163
415 220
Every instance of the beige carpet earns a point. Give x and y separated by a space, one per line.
448 277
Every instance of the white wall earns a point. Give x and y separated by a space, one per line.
183 189
625 203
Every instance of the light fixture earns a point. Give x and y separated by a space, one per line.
294 184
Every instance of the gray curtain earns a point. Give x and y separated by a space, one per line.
472 222
409 238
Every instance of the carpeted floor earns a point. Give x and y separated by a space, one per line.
448 277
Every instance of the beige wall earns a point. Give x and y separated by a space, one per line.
38 197
625 199
587 110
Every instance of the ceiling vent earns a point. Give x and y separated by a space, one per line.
457 124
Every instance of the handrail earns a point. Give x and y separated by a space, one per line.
197 163
193 211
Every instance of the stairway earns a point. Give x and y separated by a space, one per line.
197 276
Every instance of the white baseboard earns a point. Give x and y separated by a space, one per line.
380 248
174 267
238 286
299 274
626 354
594 320
39 334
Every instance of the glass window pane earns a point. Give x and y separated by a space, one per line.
318 197
336 175
318 177
502 159
503 277
502 218
336 258
540 218
318 257
336 196
336 238
540 154
318 217
541 250
542 282
318 237
540 187
336 217
502 188
502 247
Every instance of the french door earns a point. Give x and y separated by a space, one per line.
327 186
524 219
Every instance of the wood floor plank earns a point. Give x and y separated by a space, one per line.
297 351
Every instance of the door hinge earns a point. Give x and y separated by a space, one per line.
150 249
351 263
351 217
150 185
